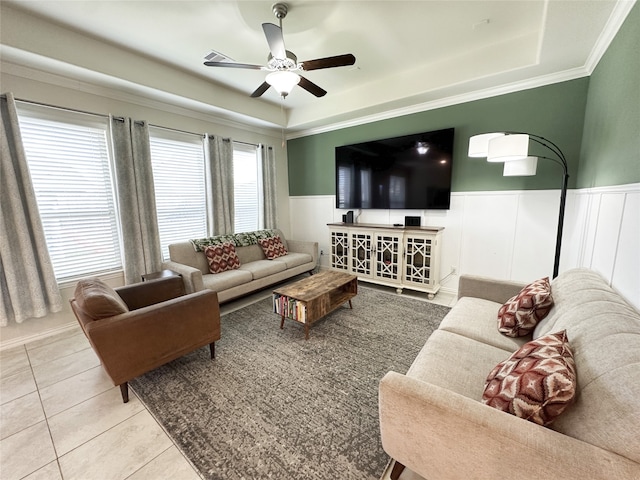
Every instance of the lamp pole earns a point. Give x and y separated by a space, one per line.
562 161
479 147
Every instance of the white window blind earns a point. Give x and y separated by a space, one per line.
72 178
179 180
247 185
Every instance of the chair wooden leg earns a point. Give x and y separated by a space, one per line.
124 390
212 349
396 471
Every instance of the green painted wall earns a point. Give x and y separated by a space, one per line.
554 111
610 152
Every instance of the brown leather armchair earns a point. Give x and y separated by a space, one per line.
139 327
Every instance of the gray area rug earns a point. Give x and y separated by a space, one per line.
272 405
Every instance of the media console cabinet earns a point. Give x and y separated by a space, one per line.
401 257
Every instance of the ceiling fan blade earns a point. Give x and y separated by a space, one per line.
311 87
234 65
329 62
275 40
260 90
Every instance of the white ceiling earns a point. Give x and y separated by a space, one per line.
407 52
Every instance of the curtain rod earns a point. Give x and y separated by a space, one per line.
42 104
85 112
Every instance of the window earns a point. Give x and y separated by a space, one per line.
247 186
71 173
179 179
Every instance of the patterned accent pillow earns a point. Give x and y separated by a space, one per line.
252 238
537 382
243 239
521 313
272 247
222 257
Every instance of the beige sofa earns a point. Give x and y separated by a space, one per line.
255 272
432 420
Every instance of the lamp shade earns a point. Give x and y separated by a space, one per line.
479 144
520 168
283 81
508 148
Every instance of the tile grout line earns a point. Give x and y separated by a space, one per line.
46 419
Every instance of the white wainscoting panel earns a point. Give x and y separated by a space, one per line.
609 238
626 270
512 234
488 230
534 241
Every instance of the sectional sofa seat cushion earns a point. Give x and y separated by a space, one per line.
293 259
272 247
456 363
263 268
225 280
98 300
522 312
537 382
222 257
475 318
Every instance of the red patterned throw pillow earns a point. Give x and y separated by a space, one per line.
537 382
272 247
521 313
222 257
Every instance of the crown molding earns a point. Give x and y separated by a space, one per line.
168 103
618 16
513 87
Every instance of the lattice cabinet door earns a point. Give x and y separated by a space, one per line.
417 262
388 256
340 250
361 250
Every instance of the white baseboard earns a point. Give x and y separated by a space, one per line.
18 341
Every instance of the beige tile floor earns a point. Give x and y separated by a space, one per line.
62 418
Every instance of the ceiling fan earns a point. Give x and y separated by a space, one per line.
283 65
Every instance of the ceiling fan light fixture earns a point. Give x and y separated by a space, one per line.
422 147
283 81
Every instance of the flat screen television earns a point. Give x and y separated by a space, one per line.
408 172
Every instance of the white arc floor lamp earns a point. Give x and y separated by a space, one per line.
512 148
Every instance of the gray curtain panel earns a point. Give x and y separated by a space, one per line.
269 186
219 158
136 198
27 281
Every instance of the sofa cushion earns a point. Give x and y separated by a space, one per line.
456 363
98 300
294 259
263 268
475 318
224 280
250 254
520 314
222 257
272 247
537 382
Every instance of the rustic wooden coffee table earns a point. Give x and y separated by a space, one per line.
310 299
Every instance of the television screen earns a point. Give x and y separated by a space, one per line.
409 172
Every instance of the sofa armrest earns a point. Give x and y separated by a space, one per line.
498 291
438 433
135 342
192 277
300 246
